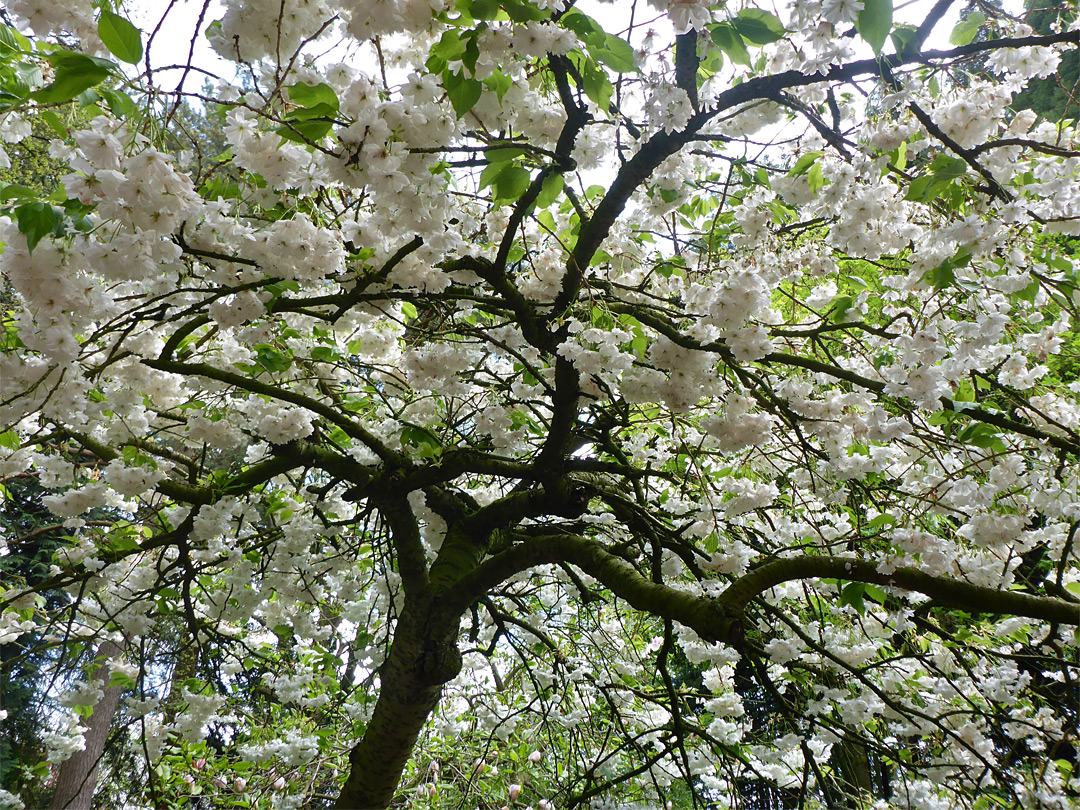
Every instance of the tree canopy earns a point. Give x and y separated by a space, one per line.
540 404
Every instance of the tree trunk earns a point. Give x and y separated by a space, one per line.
853 763
187 664
77 779
423 656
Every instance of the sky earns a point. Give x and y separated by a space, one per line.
173 40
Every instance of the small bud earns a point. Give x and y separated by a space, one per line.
432 789
199 764
544 804
279 783
421 792
535 757
239 785
220 783
515 791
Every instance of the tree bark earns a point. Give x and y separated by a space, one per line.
77 780
423 657
853 762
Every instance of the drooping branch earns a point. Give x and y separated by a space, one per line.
950 591
707 617
719 618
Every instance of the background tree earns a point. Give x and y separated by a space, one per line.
1053 97
535 408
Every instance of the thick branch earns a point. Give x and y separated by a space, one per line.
946 590
719 619
708 618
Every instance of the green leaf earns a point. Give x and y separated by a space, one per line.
980 434
944 274
613 51
10 440
10 40
499 82
874 592
1029 292
856 282
13 191
852 594
550 190
596 85
508 181
988 801
759 27
874 23
803 164
75 72
903 36
965 392
727 39
712 61
881 520
120 37
840 306
38 220
54 123
965 30
309 96
124 542
480 9
324 112
502 154
426 442
521 12
120 103
272 359
305 131
472 53
947 168
581 24
463 93
449 48
26 76
920 189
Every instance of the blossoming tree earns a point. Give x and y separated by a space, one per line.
548 403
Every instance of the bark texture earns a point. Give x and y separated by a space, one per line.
423 656
77 780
